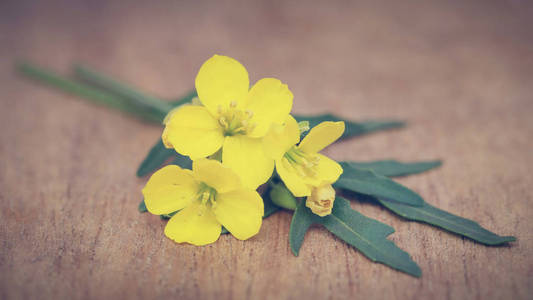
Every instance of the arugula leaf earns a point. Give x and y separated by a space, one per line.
447 221
369 183
183 161
142 207
155 158
351 128
108 84
85 91
365 234
185 99
393 168
302 219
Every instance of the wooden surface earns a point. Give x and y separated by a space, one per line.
460 73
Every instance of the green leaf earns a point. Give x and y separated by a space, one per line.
367 235
185 99
168 216
351 128
155 158
393 168
142 207
183 161
436 217
369 183
107 83
85 91
302 219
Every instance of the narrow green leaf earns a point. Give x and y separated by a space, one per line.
168 216
302 219
142 207
351 128
104 82
393 168
185 99
183 161
436 217
155 158
87 92
369 236
369 183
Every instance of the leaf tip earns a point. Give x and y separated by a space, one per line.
142 207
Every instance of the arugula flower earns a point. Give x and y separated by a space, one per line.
233 118
207 197
303 170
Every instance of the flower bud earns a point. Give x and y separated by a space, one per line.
321 200
282 197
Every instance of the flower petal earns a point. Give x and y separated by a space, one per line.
247 158
292 179
169 189
216 175
281 138
240 212
321 136
270 101
193 131
328 170
220 81
196 224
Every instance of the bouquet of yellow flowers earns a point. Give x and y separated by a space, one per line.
239 156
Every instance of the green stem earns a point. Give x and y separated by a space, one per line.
121 89
73 87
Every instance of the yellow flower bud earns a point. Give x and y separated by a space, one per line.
321 200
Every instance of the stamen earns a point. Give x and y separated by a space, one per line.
304 164
234 121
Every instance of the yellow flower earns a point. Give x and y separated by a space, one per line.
233 118
301 167
321 200
206 197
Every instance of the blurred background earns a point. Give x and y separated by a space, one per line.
460 73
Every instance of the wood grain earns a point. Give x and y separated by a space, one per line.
460 73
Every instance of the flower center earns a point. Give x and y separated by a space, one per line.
302 163
207 196
235 121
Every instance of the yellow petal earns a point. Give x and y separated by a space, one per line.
293 181
327 169
193 131
169 189
280 138
240 212
216 175
220 81
247 158
321 136
270 101
195 224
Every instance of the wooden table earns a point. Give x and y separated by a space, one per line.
460 73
